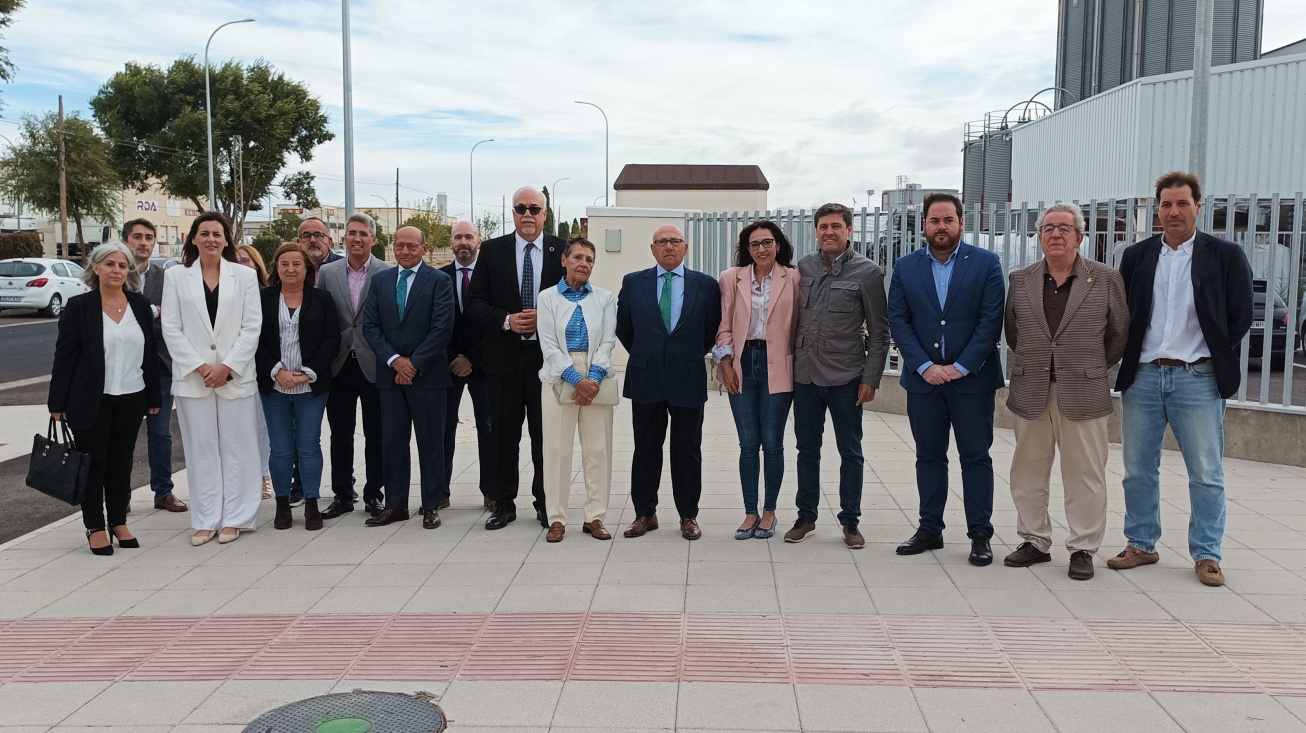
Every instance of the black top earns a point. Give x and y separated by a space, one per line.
211 300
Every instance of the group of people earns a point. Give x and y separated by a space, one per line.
517 324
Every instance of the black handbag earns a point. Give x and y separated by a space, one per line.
58 469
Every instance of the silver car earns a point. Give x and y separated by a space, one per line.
42 284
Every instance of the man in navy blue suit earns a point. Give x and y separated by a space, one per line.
407 320
667 318
946 315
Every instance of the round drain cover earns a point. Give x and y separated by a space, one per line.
353 712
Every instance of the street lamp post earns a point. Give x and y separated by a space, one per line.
349 109
557 209
208 103
388 206
605 148
471 179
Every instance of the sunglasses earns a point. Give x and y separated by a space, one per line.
523 208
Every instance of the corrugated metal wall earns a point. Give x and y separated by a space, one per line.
1117 143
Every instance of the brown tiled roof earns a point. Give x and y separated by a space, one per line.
683 177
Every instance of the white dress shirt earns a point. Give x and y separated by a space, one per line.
537 265
1174 332
761 292
124 350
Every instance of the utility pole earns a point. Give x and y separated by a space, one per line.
349 110
1201 97
63 183
397 214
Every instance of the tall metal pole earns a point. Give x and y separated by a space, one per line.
557 204
397 198
349 111
1201 96
63 183
471 180
208 103
605 148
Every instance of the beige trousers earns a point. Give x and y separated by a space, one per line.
1083 445
561 423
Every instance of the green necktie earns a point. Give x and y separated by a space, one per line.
665 301
402 291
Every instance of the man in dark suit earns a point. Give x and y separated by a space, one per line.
138 235
1190 304
353 373
945 313
407 321
466 365
667 318
510 273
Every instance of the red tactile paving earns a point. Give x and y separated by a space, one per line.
833 649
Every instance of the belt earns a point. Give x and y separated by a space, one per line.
1178 363
755 343
353 354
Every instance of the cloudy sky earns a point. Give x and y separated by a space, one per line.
829 98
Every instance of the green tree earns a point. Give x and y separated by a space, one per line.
563 231
577 231
298 187
7 10
283 229
32 170
428 219
156 117
487 225
549 225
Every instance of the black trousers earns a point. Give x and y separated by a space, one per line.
514 398
407 411
650 423
480 393
348 388
111 443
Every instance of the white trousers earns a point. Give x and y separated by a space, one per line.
220 440
264 444
595 425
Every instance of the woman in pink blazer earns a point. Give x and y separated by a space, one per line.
755 361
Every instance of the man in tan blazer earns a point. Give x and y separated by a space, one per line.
1067 322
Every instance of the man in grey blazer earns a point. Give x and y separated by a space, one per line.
354 372
138 235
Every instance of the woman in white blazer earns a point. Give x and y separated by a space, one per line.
577 326
211 317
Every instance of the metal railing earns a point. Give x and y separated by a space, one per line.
1271 229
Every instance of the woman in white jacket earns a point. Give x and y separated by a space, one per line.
211 317
577 326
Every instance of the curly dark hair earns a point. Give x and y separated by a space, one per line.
784 254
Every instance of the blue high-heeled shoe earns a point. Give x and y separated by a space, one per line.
763 534
743 534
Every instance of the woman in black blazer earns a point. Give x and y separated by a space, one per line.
104 380
299 340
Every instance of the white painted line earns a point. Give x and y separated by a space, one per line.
23 383
30 323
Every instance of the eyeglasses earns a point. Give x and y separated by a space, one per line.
761 244
308 236
673 241
1065 229
246 261
523 208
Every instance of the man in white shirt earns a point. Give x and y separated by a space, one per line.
1180 364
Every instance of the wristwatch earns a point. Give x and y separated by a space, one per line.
507 322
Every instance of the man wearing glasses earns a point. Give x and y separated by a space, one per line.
1067 324
667 318
315 238
505 285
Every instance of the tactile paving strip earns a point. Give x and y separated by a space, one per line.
835 649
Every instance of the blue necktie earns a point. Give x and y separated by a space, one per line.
528 278
402 291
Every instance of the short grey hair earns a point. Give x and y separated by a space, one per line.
362 218
1062 208
100 254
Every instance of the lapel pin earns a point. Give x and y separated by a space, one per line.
1090 279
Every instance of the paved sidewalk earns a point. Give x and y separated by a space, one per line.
657 633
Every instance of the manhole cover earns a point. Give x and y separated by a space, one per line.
354 712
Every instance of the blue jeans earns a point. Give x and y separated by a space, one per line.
760 419
295 439
1186 398
810 405
158 434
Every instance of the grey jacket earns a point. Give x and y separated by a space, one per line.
153 290
334 278
843 329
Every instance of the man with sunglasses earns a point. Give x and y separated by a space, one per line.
510 272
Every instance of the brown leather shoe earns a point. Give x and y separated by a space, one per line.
641 525
595 528
689 528
387 516
1132 557
1208 571
556 531
444 503
430 519
169 502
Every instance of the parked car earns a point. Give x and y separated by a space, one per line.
43 284
1276 323
164 262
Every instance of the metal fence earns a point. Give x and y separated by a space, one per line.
1271 230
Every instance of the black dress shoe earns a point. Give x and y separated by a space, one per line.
920 542
542 518
387 516
430 519
980 552
337 508
374 507
500 519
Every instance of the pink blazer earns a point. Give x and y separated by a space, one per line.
781 321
